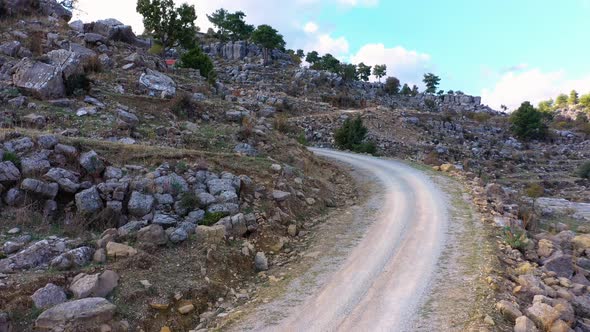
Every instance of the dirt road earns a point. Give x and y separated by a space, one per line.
381 283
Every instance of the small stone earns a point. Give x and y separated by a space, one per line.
160 304
261 262
118 250
292 230
524 324
186 307
489 320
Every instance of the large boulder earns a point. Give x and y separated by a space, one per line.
113 30
10 48
561 264
68 62
36 255
53 8
80 315
73 258
41 79
91 162
152 234
158 84
67 180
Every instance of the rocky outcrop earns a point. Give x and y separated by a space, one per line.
158 84
41 79
80 315
241 50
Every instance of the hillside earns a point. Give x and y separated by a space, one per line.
137 195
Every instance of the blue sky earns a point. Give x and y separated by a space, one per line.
506 51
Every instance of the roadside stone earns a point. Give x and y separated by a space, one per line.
509 310
47 141
292 230
14 197
582 242
79 315
48 296
543 315
524 324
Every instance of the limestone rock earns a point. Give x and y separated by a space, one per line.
140 204
509 310
261 262
48 296
154 234
41 79
91 162
158 84
88 201
40 188
524 324
118 250
73 258
8 172
79 315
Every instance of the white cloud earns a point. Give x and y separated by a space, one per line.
311 27
408 66
324 43
355 3
532 85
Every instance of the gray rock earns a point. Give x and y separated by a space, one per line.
79 315
158 84
129 119
164 220
210 235
14 197
68 62
66 150
225 208
8 172
19 145
139 204
10 247
48 296
10 48
217 186
235 225
87 110
261 262
77 25
34 120
178 235
131 227
246 149
113 173
73 258
188 227
114 30
67 180
35 164
91 162
524 324
153 234
560 264
195 217
164 199
41 79
37 254
205 199
88 201
228 197
280 196
171 184
40 188
94 38
582 305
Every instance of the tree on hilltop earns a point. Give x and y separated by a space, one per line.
573 98
432 81
231 26
312 57
561 100
364 71
379 71
391 86
406 91
269 38
169 25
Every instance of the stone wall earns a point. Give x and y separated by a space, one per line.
240 50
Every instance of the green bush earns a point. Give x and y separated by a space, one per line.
527 122
352 136
156 49
301 139
516 238
212 218
78 83
189 201
584 170
391 86
12 157
196 59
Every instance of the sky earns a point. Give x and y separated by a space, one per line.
507 51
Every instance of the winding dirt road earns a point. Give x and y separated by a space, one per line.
381 283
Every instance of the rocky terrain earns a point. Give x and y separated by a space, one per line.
136 196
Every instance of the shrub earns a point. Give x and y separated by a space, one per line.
196 59
430 104
12 157
341 100
247 128
281 123
527 122
301 139
36 43
584 170
212 218
516 238
189 201
78 83
156 49
93 65
479 117
391 86
352 136
182 105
